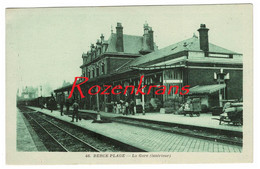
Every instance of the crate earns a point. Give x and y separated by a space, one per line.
216 111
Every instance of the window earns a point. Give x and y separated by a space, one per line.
103 68
175 76
93 72
97 71
86 71
218 55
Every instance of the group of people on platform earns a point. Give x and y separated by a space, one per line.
52 104
124 107
75 106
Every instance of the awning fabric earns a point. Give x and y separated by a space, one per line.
207 89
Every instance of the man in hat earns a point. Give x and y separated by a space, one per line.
67 104
75 107
52 103
131 107
61 104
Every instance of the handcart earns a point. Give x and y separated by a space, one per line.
232 113
192 106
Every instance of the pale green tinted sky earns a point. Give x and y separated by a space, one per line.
50 41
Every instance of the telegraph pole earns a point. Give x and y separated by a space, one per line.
143 95
41 90
98 110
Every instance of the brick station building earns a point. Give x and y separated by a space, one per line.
213 73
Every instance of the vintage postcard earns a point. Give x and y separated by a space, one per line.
129 85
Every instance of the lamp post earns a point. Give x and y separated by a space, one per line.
98 110
41 90
142 97
142 94
221 78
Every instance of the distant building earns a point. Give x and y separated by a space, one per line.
28 92
65 83
215 72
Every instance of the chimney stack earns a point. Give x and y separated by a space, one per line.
92 47
148 45
204 39
119 38
102 38
150 32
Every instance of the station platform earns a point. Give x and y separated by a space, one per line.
146 139
204 120
24 141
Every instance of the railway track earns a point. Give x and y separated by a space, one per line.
150 138
66 141
57 136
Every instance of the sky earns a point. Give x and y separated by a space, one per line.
45 45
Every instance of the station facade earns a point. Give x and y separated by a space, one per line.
212 72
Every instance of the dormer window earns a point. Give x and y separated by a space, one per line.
97 71
93 73
91 57
99 51
218 55
103 68
89 74
94 54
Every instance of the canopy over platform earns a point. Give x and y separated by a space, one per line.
207 89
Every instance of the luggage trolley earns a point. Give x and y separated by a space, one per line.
192 106
232 113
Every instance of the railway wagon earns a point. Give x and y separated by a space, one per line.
26 102
42 102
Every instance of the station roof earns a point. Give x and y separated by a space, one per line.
191 44
207 89
132 44
64 88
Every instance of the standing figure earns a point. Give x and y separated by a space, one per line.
122 107
114 107
126 107
61 108
52 103
61 104
131 107
118 108
75 111
41 102
67 103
